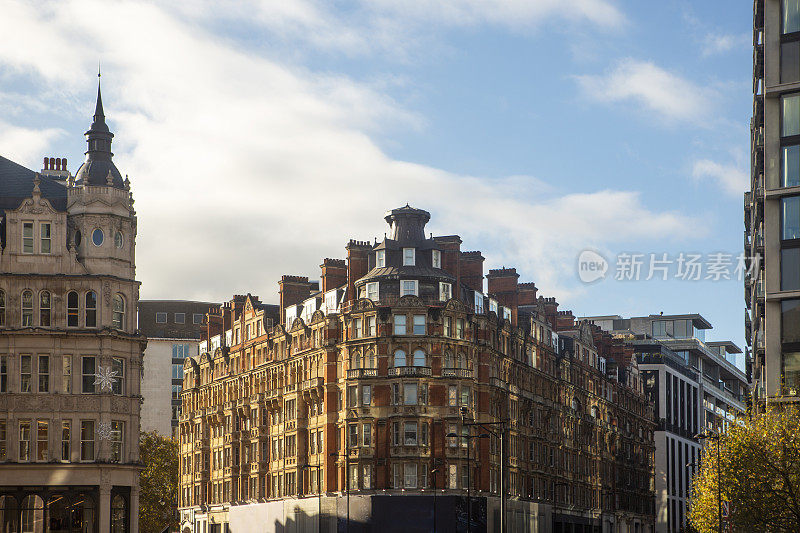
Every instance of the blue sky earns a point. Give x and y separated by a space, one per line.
260 137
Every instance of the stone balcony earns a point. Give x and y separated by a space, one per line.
457 373
419 371
356 373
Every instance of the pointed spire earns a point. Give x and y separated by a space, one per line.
99 123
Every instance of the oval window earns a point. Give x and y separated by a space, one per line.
118 240
77 238
97 237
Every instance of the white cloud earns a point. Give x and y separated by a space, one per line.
396 28
720 43
668 95
244 168
26 146
733 179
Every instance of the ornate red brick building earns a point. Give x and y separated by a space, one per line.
396 382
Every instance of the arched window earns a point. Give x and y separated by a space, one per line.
83 513
118 318
9 514
399 358
594 411
2 308
44 308
58 509
27 308
462 361
419 358
119 513
576 404
72 309
33 514
449 362
90 310
369 360
355 359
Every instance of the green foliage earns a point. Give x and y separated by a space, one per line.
158 483
759 465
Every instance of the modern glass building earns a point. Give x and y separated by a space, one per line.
772 206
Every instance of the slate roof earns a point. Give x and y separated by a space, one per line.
407 271
16 184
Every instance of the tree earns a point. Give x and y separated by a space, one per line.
759 467
158 483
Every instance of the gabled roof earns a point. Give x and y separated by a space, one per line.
16 184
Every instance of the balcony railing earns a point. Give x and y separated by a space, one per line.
312 383
410 371
457 373
355 373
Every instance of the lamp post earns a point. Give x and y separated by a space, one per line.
346 483
715 436
469 468
502 438
433 474
319 495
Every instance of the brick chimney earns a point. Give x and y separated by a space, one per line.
334 273
565 321
502 284
550 309
357 264
451 253
472 270
292 290
527 293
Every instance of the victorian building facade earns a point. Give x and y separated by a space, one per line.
70 355
369 385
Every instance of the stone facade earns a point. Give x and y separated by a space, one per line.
69 441
400 377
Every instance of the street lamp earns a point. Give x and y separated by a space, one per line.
319 494
502 438
346 482
433 474
715 436
469 469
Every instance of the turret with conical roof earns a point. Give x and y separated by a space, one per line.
99 169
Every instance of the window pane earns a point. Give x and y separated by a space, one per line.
410 393
419 324
791 115
790 211
790 269
791 371
791 16
790 62
790 320
790 163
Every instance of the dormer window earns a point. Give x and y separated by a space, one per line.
408 287
380 258
409 256
437 259
372 291
445 291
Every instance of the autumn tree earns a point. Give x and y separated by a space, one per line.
759 476
158 483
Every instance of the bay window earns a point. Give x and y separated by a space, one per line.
400 325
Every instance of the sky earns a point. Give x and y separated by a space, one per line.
259 137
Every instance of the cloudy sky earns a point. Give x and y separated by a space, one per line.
260 136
